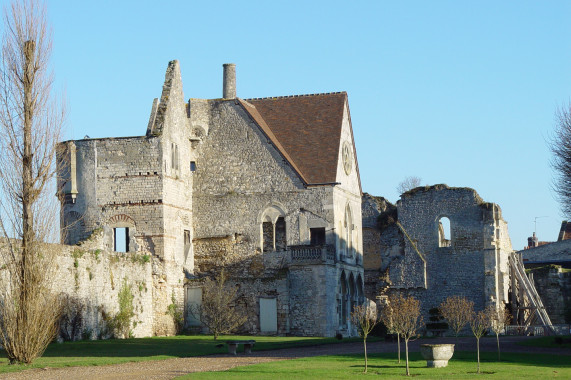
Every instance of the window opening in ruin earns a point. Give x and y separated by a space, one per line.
317 236
268 236
444 236
192 166
121 239
280 234
186 244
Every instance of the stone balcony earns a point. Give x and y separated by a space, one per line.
311 254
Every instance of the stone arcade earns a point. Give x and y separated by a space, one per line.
267 188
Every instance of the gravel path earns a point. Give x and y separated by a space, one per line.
170 368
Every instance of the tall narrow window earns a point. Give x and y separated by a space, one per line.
121 239
348 226
280 234
444 236
186 244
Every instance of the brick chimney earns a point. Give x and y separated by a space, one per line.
229 81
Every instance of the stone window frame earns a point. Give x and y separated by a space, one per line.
271 214
122 221
441 231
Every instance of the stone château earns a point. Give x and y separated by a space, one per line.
267 188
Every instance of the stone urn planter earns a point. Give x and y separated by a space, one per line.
437 355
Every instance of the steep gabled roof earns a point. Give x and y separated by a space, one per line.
306 129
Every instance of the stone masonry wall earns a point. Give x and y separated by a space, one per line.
92 278
474 264
553 284
239 176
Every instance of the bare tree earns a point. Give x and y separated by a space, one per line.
388 318
560 144
406 319
365 318
479 323
499 319
30 126
457 311
408 183
217 311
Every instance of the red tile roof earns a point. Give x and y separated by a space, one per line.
306 129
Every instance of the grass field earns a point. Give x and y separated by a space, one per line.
461 366
549 341
113 351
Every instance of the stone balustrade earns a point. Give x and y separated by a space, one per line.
312 253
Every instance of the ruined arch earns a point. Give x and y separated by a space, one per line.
444 227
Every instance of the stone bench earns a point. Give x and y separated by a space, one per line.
233 344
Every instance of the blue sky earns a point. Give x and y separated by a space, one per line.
455 92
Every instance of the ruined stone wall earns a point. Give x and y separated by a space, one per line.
90 278
172 124
474 263
553 284
116 176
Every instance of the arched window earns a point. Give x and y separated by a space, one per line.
444 236
273 230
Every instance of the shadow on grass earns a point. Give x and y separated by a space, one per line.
175 346
539 360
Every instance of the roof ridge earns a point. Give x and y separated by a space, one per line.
297 96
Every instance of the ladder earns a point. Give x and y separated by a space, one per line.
530 307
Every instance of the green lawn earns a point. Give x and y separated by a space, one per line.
549 341
462 366
113 351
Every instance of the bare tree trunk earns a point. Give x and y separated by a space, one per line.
498 341
398 345
478 350
406 355
27 184
365 347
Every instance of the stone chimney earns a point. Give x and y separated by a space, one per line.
532 241
229 82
